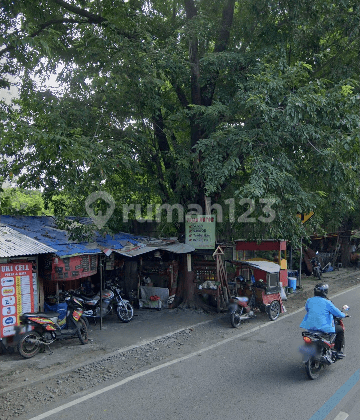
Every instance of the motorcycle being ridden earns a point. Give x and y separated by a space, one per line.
43 328
111 298
316 267
324 339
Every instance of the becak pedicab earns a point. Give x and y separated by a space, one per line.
259 290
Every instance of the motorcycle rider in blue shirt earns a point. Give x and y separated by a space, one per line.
320 312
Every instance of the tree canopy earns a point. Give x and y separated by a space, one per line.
252 104
19 202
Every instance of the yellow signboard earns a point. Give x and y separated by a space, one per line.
305 217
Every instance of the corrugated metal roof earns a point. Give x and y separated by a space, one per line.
15 244
134 250
178 248
150 244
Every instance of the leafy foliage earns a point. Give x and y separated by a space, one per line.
19 202
176 101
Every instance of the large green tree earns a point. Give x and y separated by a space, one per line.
254 104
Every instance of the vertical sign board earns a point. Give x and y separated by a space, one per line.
16 293
200 231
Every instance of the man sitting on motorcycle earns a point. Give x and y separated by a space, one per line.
320 313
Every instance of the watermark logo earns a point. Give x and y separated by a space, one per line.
179 213
100 219
260 210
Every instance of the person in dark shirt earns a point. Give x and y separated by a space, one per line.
87 287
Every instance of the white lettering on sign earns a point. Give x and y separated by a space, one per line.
21 267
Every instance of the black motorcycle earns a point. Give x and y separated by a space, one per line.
318 349
43 328
111 299
316 267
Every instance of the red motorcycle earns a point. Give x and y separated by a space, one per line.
256 297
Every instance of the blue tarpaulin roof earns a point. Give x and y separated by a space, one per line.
44 230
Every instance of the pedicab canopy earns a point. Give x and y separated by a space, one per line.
278 246
267 266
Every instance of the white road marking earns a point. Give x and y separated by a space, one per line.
146 372
164 365
341 416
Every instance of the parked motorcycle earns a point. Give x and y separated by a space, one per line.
44 329
243 307
318 349
240 309
111 298
316 267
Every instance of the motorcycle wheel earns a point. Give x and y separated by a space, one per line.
312 368
274 310
29 345
125 311
86 322
235 317
83 331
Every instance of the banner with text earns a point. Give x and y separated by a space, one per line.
17 295
72 268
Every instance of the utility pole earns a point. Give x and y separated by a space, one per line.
101 289
301 256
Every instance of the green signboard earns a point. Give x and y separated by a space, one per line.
200 231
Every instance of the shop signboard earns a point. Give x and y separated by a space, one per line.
17 295
200 231
76 267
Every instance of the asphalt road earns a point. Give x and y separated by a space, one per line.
254 374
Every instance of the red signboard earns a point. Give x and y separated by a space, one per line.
72 268
267 245
17 295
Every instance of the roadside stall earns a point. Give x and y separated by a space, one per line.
159 273
275 249
20 287
153 271
211 279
